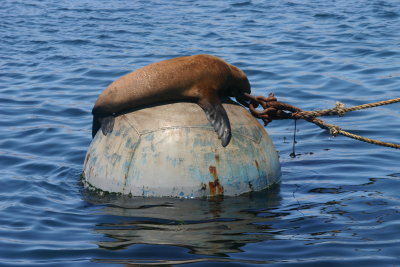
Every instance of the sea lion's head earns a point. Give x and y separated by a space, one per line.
239 86
241 91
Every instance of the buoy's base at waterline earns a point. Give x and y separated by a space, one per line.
171 150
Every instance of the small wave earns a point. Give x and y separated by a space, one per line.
76 42
387 15
74 112
329 16
96 73
241 4
46 77
60 58
11 159
385 54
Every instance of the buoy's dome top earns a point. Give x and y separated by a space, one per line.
184 115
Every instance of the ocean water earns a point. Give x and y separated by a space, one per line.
339 201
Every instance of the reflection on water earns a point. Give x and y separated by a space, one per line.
323 221
212 227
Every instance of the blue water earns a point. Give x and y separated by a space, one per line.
338 203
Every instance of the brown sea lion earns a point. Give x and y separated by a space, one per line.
202 79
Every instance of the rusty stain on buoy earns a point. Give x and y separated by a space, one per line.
215 187
257 165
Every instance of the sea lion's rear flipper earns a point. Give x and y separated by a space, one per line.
96 125
218 118
105 123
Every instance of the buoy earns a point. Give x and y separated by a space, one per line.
171 150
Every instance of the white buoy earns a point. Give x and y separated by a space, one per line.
172 150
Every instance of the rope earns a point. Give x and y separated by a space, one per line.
275 110
340 109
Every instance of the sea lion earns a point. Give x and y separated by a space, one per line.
202 79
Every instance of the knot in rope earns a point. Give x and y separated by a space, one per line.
340 109
334 130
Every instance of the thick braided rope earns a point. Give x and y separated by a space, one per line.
341 110
335 130
369 140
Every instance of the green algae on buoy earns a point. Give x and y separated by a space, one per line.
171 150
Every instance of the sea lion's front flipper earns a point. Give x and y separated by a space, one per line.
107 124
218 118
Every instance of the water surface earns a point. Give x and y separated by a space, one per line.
338 203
